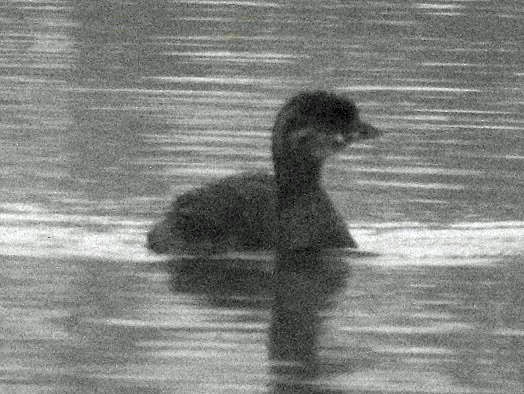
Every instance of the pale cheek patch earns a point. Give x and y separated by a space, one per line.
328 145
339 139
319 144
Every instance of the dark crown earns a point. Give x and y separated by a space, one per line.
319 108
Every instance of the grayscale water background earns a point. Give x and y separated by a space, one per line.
108 109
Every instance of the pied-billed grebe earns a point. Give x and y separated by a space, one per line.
287 211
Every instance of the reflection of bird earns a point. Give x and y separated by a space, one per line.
288 211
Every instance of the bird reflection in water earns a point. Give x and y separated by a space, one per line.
305 288
299 291
286 212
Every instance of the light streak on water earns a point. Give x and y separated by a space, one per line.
412 88
418 170
222 80
230 54
438 6
410 185
241 3
41 234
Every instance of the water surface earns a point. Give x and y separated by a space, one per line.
108 110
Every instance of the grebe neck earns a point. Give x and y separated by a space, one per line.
295 176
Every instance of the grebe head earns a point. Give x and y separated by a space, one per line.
312 126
